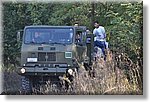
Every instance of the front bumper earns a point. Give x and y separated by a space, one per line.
44 71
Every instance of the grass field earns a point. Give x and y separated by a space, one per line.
113 77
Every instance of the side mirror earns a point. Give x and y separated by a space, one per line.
19 35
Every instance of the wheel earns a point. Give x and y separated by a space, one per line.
26 85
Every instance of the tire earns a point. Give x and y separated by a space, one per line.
26 85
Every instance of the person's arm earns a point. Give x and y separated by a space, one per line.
94 32
104 32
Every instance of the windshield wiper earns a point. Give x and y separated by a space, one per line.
31 42
43 42
58 43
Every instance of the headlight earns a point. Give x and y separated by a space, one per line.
31 59
23 70
70 71
68 54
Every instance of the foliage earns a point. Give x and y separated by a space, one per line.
126 29
123 23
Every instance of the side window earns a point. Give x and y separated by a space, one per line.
84 37
78 37
28 36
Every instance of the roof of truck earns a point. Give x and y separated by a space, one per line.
32 26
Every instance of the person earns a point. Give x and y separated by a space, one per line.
100 37
76 24
78 38
37 38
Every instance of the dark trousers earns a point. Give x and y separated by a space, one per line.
101 44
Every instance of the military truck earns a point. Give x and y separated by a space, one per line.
47 51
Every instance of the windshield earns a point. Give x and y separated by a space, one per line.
48 35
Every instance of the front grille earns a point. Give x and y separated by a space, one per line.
51 56
46 56
41 56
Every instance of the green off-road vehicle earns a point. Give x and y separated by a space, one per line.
47 51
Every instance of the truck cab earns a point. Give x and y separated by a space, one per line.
48 51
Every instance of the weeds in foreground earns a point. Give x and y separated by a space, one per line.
117 75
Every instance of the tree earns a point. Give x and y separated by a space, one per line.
122 21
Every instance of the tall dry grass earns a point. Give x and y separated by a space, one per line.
118 75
